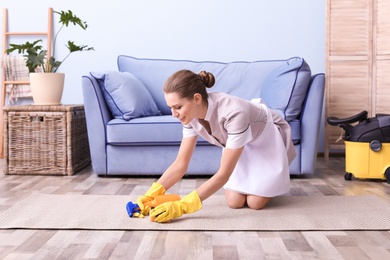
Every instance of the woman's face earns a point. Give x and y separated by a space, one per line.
182 108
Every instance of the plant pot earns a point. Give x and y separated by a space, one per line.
47 88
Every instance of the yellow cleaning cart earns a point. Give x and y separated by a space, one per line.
367 145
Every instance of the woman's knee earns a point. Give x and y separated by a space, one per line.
256 202
235 200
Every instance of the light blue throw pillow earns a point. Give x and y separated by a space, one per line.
284 90
125 95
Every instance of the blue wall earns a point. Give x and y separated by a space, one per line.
221 30
217 30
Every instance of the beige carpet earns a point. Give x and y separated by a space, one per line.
108 212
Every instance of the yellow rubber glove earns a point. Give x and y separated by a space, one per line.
155 190
174 209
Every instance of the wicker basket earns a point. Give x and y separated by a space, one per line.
48 140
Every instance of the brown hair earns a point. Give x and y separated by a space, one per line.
186 83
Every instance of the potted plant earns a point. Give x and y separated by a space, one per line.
43 70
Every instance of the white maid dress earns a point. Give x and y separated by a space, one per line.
263 167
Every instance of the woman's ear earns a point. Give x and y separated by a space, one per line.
198 98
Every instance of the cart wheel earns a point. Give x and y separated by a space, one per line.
387 174
348 176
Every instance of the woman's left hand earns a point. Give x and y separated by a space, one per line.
171 210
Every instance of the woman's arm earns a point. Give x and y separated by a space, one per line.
192 202
228 163
179 167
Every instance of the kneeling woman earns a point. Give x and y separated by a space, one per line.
256 141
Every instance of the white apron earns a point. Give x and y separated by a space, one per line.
263 167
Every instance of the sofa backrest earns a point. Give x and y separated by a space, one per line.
244 79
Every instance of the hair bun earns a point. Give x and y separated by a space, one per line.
207 78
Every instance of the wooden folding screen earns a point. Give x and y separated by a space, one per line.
357 62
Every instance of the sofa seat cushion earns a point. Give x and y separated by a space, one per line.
295 126
152 130
159 130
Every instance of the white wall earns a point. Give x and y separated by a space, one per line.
220 30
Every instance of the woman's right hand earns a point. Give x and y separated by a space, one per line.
155 190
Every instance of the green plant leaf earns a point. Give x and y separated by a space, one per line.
22 48
35 59
73 47
68 17
54 64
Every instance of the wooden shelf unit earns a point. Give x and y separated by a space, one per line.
5 38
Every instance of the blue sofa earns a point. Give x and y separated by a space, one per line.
131 130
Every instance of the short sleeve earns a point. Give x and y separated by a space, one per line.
238 140
239 129
188 131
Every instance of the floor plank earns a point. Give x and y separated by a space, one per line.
328 180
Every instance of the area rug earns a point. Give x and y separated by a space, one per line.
285 213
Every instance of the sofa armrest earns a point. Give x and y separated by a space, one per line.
97 117
311 122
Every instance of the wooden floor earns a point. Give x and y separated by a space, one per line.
78 244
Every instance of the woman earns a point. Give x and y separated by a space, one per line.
256 141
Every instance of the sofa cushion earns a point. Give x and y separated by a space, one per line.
284 89
125 95
152 130
160 130
295 126
239 78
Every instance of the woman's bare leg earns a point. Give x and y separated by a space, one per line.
237 200
234 199
257 202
